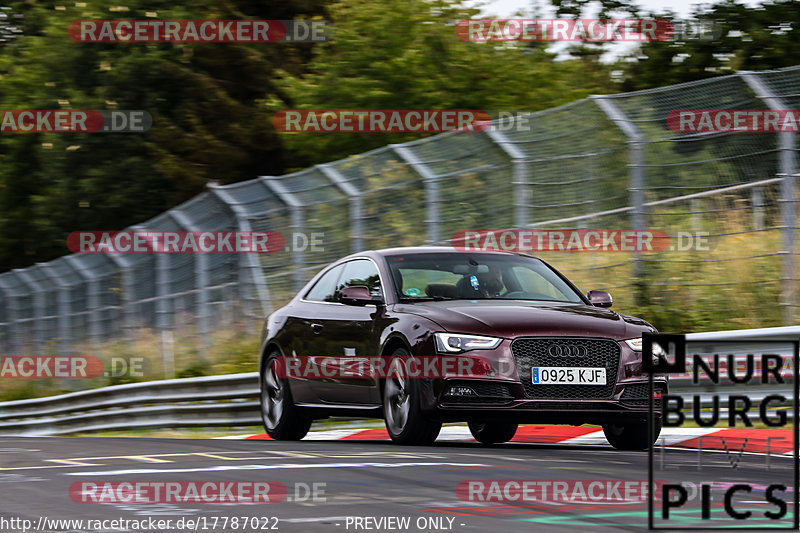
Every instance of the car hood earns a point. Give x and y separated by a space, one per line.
516 318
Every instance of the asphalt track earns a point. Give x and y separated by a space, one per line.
361 479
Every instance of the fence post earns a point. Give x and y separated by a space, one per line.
788 216
430 181
522 193
37 295
8 344
356 205
248 263
64 310
163 323
757 200
92 297
201 268
787 172
161 276
636 175
297 224
123 264
695 206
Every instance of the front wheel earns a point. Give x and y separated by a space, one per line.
401 407
632 435
282 419
493 432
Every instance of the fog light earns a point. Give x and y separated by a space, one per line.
461 391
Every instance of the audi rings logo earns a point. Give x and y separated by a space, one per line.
567 350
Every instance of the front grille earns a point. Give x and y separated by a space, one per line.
533 352
636 395
487 392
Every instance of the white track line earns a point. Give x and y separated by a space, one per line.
285 466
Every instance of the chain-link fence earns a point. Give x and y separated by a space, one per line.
602 162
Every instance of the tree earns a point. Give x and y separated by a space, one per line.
202 97
405 54
753 38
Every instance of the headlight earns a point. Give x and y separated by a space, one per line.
455 343
636 346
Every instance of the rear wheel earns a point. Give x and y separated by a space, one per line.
493 432
631 436
405 421
282 419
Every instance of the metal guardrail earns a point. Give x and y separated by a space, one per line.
232 400
745 341
786 333
214 401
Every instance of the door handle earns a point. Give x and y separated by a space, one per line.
316 328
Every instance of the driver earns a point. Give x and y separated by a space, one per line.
491 283
487 285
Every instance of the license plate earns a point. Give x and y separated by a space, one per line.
560 375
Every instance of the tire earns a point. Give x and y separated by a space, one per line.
401 409
494 432
282 418
631 436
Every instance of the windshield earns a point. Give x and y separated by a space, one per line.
476 276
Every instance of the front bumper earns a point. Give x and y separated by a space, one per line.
515 406
503 394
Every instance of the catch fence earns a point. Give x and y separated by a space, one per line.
603 162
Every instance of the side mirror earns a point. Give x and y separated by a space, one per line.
358 295
600 298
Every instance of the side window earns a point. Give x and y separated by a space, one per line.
360 272
323 290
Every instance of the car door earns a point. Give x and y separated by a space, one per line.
349 334
305 334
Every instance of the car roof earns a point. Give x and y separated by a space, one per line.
410 250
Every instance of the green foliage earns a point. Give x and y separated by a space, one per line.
405 54
202 97
234 351
735 285
753 38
